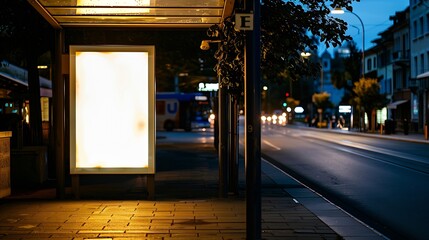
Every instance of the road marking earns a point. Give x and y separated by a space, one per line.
271 145
366 147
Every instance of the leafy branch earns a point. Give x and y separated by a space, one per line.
230 56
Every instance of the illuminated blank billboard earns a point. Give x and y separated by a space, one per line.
112 115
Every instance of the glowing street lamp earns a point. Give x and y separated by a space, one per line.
341 11
305 54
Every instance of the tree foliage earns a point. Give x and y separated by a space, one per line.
230 56
292 102
289 28
322 100
368 98
368 94
22 30
180 56
346 70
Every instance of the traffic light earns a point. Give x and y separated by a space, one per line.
284 104
287 94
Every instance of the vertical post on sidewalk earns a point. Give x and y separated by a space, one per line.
233 146
223 142
426 134
252 149
58 113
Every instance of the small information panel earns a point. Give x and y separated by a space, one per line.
112 111
244 21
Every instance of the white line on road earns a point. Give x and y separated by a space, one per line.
271 145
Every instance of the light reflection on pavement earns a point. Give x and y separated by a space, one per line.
196 136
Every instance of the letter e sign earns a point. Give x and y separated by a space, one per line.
244 21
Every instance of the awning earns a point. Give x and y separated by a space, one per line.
423 75
134 13
19 80
395 104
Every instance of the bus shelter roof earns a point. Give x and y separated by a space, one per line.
134 13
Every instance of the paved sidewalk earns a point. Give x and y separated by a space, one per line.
186 206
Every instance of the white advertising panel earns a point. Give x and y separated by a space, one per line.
112 112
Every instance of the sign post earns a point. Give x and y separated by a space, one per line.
252 101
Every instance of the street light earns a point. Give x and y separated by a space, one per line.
265 99
341 11
306 55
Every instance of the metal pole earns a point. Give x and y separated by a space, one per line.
216 122
58 115
252 101
233 146
363 43
340 11
223 142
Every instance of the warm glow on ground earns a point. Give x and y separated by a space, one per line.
112 110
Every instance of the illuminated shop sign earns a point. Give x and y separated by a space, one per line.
201 98
344 109
208 87
112 113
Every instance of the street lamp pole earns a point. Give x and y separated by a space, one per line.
341 11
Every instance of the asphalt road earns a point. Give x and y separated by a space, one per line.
382 182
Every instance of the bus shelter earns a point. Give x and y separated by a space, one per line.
150 14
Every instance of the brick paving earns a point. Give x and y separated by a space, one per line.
128 219
186 206
133 219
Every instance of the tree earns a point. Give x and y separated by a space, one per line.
289 28
181 56
346 70
292 103
368 98
229 56
322 102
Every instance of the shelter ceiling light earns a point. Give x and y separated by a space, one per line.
104 6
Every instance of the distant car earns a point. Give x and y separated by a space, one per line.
278 117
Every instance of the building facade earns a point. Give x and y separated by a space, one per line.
324 83
402 56
402 96
419 54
